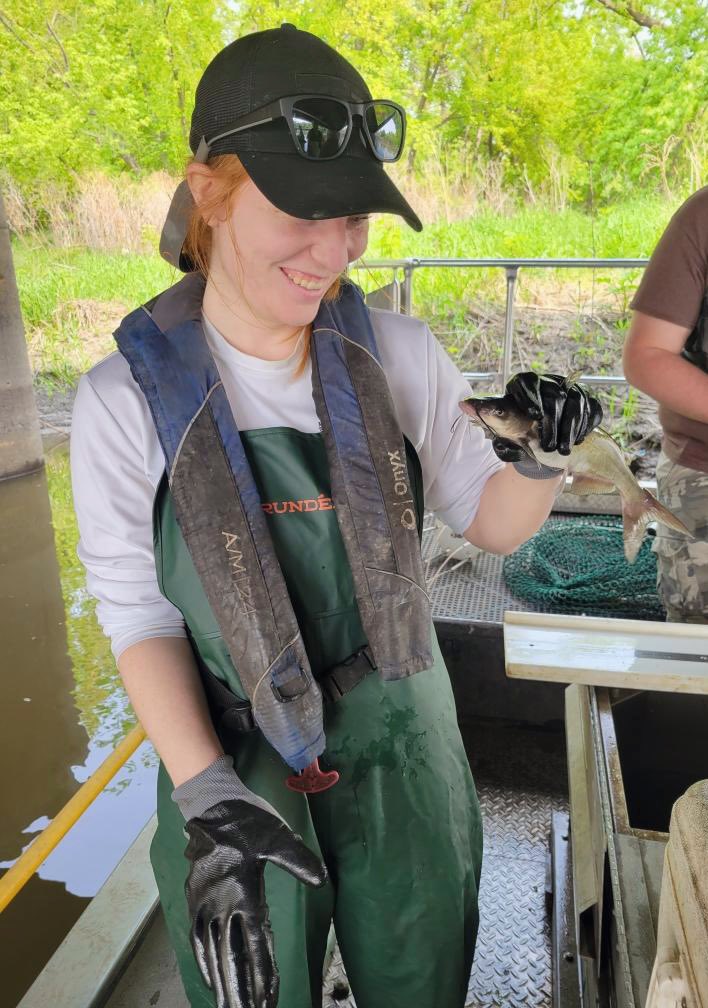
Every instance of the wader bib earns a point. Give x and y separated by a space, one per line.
400 833
324 527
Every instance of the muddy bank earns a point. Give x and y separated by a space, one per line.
54 403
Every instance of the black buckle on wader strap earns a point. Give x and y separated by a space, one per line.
342 678
232 714
228 712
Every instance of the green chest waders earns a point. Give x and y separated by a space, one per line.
400 833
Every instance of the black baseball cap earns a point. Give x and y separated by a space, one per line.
258 69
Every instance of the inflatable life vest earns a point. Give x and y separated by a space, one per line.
219 512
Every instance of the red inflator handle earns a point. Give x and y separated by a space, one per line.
312 780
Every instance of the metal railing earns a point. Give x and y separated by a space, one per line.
402 295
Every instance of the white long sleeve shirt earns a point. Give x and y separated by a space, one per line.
117 462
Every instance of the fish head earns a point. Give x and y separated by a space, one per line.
498 416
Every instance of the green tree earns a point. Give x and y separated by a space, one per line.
107 86
648 110
553 95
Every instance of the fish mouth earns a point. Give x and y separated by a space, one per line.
475 409
469 407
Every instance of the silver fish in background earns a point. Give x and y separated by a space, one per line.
597 465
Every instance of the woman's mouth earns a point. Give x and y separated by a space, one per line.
305 281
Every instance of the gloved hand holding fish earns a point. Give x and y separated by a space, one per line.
547 424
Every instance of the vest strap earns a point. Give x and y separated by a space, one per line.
696 347
375 506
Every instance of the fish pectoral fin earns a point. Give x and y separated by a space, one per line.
588 483
637 514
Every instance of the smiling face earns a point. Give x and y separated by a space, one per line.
277 268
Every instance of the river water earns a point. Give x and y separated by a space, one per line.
63 711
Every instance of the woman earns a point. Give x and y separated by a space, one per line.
249 475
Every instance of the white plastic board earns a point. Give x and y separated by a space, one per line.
627 654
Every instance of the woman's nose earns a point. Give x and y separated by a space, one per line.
329 248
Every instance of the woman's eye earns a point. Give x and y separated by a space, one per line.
359 219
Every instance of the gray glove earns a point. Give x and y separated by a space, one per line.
219 782
232 835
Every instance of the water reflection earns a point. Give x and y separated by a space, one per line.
42 735
103 706
63 712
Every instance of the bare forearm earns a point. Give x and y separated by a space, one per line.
671 380
512 508
653 363
162 681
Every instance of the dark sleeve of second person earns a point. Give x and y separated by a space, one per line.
676 278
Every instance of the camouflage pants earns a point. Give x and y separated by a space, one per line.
682 562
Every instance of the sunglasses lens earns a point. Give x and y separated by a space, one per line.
320 125
385 124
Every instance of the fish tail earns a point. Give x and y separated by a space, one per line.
637 513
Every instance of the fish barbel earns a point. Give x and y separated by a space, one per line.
597 465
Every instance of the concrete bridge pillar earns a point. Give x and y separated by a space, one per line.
20 440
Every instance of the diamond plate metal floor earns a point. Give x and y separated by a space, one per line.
466 584
521 779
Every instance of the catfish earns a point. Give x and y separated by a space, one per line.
597 465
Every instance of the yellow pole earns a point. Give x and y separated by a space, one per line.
41 847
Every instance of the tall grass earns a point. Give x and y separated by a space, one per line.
73 298
624 231
105 213
98 212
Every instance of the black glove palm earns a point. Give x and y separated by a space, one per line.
565 411
232 940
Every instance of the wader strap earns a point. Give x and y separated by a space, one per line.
231 714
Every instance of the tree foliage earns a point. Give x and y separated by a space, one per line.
583 96
649 110
102 85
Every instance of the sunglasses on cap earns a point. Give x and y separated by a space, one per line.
321 126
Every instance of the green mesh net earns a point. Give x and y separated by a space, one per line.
577 565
